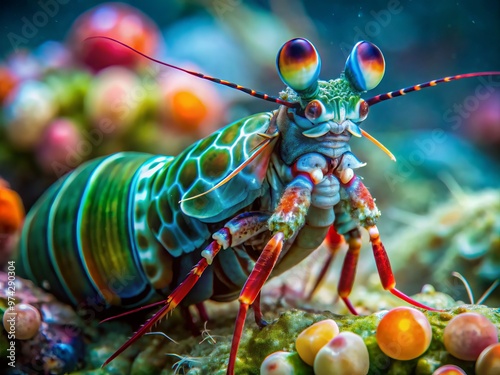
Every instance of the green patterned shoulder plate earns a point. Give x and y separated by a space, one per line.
207 162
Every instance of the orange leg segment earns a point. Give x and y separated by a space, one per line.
287 219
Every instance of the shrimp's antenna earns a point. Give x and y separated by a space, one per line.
246 90
394 94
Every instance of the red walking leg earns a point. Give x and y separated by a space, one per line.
363 205
202 312
385 271
348 274
259 317
288 217
334 243
172 301
236 231
191 323
251 290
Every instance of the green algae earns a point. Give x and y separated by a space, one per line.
257 343
190 355
155 354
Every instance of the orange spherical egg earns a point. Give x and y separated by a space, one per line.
404 333
313 338
488 362
468 334
449 370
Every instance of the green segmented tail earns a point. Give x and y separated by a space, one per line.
75 239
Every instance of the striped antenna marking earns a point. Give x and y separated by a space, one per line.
394 94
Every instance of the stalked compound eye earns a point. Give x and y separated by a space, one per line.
299 64
361 111
314 110
365 66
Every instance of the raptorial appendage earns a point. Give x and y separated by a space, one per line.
290 214
362 206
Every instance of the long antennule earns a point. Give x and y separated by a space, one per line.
395 94
248 91
378 144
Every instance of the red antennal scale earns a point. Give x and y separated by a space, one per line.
248 91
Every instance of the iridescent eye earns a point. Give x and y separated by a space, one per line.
365 66
299 64
362 110
359 112
314 110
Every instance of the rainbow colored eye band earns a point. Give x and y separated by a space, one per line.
299 65
365 66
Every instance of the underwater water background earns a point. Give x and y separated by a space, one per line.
421 40
446 139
